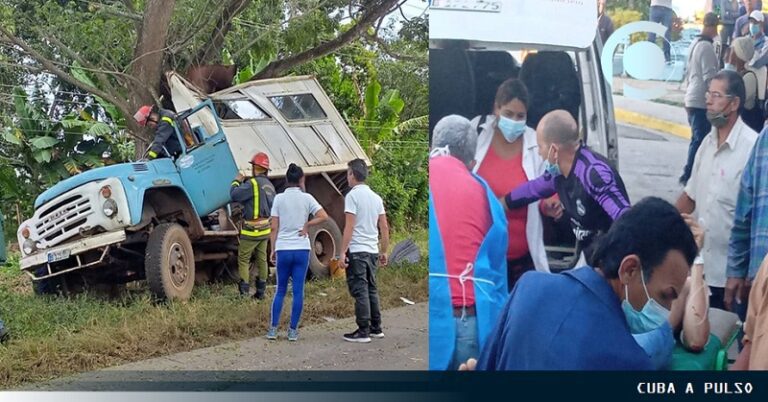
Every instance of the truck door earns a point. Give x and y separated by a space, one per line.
206 166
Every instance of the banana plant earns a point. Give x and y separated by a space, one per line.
381 116
48 151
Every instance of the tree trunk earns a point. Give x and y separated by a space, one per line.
148 60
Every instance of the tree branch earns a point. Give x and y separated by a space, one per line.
371 14
212 49
51 67
385 47
105 8
106 85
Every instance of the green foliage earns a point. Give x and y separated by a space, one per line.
641 6
621 17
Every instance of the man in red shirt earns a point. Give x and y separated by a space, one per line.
461 207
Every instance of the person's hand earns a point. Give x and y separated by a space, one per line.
304 231
552 208
696 229
470 365
273 257
239 177
383 259
342 262
734 289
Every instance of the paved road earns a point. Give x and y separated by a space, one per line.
650 163
320 347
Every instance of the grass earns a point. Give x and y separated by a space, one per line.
53 337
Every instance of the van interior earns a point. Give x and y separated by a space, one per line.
464 82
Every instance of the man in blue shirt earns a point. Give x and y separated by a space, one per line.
585 319
749 237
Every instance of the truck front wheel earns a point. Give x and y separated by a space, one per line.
170 263
325 240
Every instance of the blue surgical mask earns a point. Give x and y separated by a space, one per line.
754 29
511 129
552 168
729 67
652 316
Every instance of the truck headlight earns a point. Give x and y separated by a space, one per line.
109 208
29 246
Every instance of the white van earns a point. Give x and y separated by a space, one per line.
552 46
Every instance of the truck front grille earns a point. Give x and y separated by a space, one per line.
62 220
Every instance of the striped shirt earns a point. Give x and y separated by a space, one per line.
749 238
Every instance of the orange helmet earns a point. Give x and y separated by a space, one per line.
260 159
143 115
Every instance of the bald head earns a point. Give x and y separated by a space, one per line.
558 127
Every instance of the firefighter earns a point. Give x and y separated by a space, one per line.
164 122
256 194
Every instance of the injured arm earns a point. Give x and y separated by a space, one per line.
693 306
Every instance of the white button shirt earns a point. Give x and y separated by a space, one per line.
714 186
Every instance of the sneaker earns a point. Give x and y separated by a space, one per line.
272 333
293 335
376 333
357 336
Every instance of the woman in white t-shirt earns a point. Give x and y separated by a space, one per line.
290 212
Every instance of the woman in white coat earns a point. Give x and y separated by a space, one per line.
506 157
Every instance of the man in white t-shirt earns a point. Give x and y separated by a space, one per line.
365 217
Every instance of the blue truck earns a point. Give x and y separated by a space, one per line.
170 221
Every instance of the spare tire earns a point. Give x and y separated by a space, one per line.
325 243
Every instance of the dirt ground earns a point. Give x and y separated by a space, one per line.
320 347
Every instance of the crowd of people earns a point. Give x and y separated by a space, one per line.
647 274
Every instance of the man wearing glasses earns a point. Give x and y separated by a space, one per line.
702 65
713 187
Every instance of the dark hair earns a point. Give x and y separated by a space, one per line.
711 20
510 90
359 169
734 85
294 174
650 229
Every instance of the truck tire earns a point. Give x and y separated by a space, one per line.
325 243
170 263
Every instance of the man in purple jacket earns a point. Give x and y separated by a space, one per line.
590 189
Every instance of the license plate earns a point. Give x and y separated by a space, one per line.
59 255
467 5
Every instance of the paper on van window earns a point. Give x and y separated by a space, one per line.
552 23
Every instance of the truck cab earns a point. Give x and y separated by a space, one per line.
92 226
553 47
169 220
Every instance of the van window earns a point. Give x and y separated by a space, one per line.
298 107
239 109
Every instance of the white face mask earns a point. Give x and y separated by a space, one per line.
652 316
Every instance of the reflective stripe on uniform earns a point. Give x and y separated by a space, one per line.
168 120
255 233
152 154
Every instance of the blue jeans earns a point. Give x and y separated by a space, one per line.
467 344
663 16
700 127
291 264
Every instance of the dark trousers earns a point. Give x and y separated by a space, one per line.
361 280
663 16
716 299
516 269
700 127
